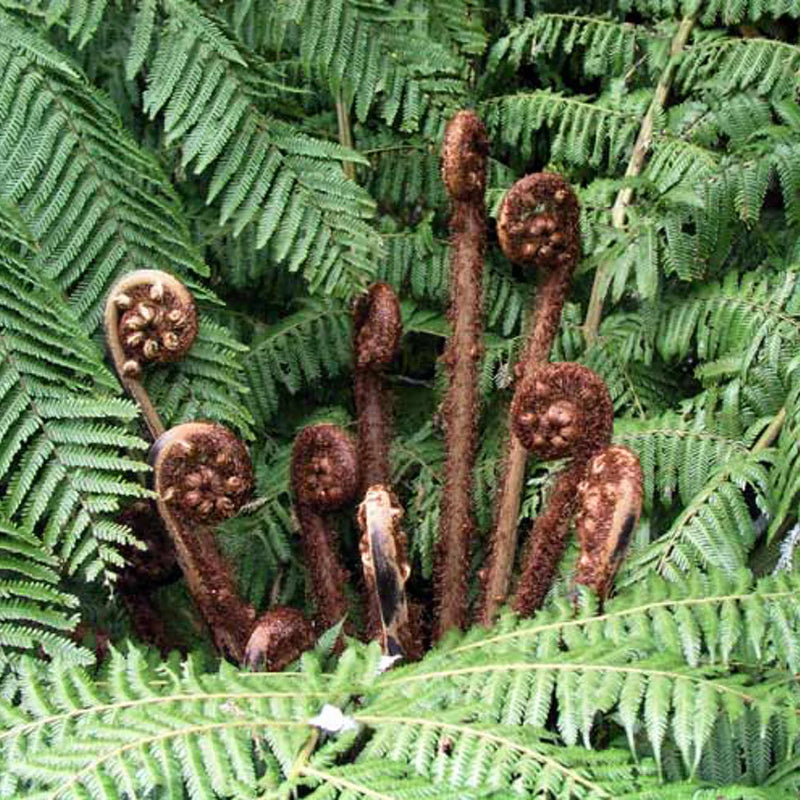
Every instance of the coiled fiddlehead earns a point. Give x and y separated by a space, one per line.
150 317
202 475
609 504
325 478
538 226
464 174
559 411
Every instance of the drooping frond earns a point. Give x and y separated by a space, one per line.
300 350
97 203
80 18
62 430
714 529
371 54
766 66
36 616
263 172
582 132
664 662
607 47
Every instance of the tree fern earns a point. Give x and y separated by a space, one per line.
279 157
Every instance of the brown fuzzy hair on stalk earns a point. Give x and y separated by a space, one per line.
202 475
538 226
377 328
325 478
464 159
150 318
609 503
560 410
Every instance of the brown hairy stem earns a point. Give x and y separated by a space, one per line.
325 478
464 174
558 411
150 317
538 226
378 328
202 476
386 569
609 500
547 541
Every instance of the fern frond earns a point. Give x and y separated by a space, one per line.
80 18
35 615
97 204
767 66
370 54
61 430
304 347
714 529
266 174
582 132
741 314
607 47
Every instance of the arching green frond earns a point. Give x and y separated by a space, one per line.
714 529
767 66
36 616
582 132
678 454
62 432
97 204
263 172
742 314
371 54
297 352
80 18
607 46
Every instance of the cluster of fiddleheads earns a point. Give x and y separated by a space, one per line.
202 472
202 475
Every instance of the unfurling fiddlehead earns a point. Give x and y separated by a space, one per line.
464 174
559 411
609 504
537 226
386 570
150 317
324 478
202 475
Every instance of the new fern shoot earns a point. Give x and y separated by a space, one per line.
468 332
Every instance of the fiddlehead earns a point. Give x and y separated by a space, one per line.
609 504
324 478
386 570
202 475
464 158
280 636
378 327
537 226
150 317
559 411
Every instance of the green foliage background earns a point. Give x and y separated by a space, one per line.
278 156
